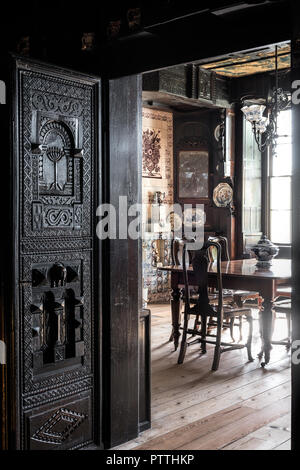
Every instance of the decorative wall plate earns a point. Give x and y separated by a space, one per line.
193 217
223 195
217 132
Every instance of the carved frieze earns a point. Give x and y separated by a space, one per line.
47 432
204 84
184 83
57 149
56 317
56 104
63 425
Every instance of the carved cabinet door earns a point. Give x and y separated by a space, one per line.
56 301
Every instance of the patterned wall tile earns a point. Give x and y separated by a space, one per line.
157 176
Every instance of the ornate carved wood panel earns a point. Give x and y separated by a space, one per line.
55 166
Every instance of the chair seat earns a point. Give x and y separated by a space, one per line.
233 312
213 298
243 294
283 306
284 291
228 311
229 296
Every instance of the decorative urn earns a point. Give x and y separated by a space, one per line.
264 252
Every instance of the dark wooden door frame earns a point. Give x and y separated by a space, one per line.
296 229
122 260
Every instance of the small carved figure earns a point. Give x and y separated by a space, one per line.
57 274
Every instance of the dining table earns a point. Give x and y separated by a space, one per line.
241 274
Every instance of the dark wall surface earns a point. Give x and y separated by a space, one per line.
169 33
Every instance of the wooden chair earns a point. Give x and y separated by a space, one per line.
236 297
201 307
285 307
230 297
176 257
284 292
239 296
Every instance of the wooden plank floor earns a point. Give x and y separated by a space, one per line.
241 406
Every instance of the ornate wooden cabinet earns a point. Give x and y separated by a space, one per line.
55 351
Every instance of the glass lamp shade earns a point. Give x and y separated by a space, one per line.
253 113
261 126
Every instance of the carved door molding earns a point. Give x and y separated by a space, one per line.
56 151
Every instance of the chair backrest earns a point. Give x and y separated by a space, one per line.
223 242
200 263
177 245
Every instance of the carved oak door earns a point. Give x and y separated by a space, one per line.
56 329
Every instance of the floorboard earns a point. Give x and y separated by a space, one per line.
239 407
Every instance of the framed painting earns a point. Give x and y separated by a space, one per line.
193 175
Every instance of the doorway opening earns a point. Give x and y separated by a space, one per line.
196 106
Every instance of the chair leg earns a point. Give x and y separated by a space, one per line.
288 319
231 328
227 321
203 332
217 353
183 344
261 352
241 329
249 340
196 324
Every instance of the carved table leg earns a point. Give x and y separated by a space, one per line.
267 315
175 308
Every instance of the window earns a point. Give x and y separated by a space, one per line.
252 194
280 170
2 92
